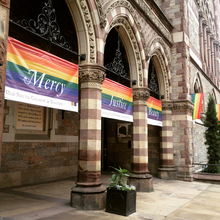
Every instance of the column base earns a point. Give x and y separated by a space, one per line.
167 173
185 173
142 182
88 198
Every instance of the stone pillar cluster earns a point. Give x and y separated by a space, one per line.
209 50
141 179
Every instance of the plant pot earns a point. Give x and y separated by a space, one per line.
121 202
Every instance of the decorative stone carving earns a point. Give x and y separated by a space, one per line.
183 105
89 75
102 15
90 30
124 22
167 105
134 15
2 52
141 94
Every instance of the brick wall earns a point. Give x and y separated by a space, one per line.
31 161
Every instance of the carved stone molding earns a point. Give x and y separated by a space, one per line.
90 30
167 105
2 52
165 73
183 105
124 22
102 15
141 94
134 15
91 85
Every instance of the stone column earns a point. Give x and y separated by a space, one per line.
201 37
216 58
182 139
209 60
141 178
205 46
167 170
88 194
212 55
4 26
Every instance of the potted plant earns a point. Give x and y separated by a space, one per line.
121 198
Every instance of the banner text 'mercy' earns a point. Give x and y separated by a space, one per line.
57 86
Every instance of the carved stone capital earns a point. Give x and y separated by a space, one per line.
183 105
204 22
92 73
201 14
141 94
208 30
202 116
167 105
216 42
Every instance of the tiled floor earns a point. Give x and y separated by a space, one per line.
172 200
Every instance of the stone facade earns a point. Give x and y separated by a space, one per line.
180 38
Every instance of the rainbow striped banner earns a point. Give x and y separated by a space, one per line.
196 98
218 111
36 77
154 112
117 101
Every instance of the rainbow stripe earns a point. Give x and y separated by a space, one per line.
117 101
218 111
154 111
196 98
34 71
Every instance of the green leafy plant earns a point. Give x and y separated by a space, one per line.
119 179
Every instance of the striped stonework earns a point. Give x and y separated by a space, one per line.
140 131
167 169
183 139
91 78
166 155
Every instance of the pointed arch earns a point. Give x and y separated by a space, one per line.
197 85
131 46
157 50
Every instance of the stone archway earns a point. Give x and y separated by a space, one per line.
159 55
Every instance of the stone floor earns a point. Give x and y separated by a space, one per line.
172 200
